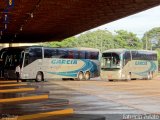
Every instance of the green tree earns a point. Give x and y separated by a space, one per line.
68 42
100 39
124 39
151 39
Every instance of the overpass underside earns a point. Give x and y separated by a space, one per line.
28 21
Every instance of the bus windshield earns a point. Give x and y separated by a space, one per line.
110 60
12 59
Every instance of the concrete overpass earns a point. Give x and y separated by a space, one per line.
28 21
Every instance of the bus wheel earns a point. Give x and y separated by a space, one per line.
80 76
39 77
129 77
64 79
87 75
23 80
150 75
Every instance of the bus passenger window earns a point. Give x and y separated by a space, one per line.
65 54
36 53
94 55
50 53
26 61
88 55
75 54
82 54
70 54
61 53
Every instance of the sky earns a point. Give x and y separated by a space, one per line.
138 23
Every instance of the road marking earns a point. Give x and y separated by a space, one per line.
46 114
37 97
8 85
5 81
17 90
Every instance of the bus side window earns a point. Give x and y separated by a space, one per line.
50 53
61 53
94 55
65 54
29 58
26 61
70 54
76 54
81 54
126 57
47 53
21 58
35 53
88 55
135 55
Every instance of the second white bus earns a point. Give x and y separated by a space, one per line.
127 64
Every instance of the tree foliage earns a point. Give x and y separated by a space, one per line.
124 39
151 39
101 39
69 42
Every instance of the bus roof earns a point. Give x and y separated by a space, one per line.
89 49
68 48
115 50
123 50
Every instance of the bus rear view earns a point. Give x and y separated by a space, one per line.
124 64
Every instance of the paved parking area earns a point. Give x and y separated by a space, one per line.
103 97
113 100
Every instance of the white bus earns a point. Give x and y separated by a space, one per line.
41 63
128 64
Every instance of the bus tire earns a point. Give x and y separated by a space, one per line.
39 77
23 80
87 75
129 77
80 76
64 79
150 76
